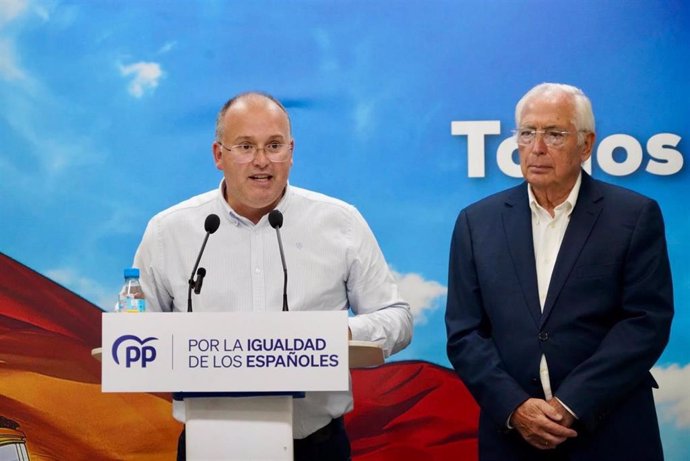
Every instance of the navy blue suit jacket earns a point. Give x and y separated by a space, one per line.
605 322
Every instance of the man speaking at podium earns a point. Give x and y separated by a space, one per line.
334 260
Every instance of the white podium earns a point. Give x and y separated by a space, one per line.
237 427
234 375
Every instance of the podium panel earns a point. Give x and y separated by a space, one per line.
239 428
236 372
225 352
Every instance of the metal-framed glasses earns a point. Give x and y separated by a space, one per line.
552 137
246 152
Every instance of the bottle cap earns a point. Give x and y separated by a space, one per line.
131 272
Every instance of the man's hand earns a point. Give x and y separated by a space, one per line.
567 418
542 425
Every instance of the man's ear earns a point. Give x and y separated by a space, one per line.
217 155
588 146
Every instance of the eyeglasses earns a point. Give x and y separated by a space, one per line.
245 152
552 138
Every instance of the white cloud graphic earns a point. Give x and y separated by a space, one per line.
167 47
145 77
10 9
10 69
673 396
420 293
9 63
364 119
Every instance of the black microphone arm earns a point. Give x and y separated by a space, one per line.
210 225
275 219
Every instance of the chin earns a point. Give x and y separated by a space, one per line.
538 180
265 202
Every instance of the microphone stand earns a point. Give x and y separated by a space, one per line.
275 219
210 226
195 283
282 259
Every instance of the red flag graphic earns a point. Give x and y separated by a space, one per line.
411 410
51 402
50 389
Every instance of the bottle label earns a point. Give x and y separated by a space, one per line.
132 305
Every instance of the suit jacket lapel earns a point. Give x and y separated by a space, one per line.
582 221
517 226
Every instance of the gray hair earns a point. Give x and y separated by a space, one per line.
584 117
246 95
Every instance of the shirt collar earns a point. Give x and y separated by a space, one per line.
236 218
568 204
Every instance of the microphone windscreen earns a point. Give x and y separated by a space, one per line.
212 222
275 219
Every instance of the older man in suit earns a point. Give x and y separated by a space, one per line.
560 300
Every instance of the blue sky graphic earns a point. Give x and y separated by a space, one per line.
108 110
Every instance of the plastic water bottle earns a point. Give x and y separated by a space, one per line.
131 297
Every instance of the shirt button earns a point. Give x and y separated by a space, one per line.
543 336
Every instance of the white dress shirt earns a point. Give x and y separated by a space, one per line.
333 263
547 234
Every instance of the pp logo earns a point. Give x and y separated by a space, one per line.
135 350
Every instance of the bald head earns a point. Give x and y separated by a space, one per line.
252 98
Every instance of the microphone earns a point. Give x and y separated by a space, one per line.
200 274
210 226
275 219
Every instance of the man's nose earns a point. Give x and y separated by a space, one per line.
539 145
260 158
